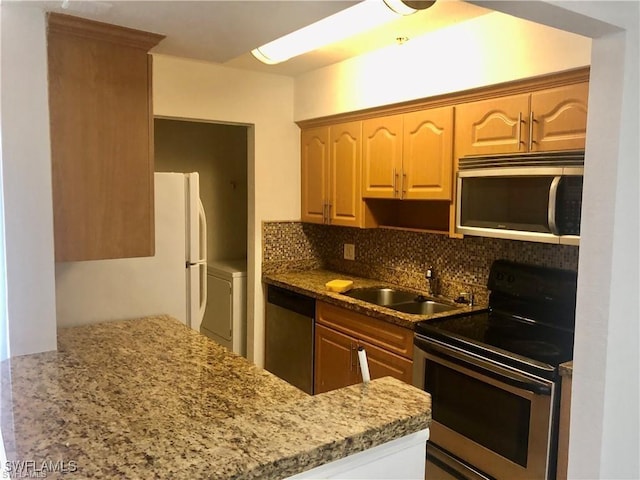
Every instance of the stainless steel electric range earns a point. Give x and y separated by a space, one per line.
493 376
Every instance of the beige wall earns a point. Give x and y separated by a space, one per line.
486 50
198 90
219 154
26 182
604 428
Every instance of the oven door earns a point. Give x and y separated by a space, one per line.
496 419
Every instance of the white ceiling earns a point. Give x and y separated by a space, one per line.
225 32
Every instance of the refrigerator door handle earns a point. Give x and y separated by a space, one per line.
203 293
196 294
202 221
202 224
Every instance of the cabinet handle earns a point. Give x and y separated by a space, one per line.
353 353
403 183
531 120
395 182
329 213
324 212
519 130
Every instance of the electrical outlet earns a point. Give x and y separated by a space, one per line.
349 251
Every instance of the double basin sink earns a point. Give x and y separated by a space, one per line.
399 300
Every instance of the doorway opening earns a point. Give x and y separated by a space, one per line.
219 153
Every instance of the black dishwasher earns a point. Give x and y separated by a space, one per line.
289 330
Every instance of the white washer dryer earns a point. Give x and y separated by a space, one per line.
225 318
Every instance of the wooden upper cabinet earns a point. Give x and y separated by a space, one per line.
331 175
315 174
409 156
345 161
101 139
382 156
559 118
492 126
427 154
545 120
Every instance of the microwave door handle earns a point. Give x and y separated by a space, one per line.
553 197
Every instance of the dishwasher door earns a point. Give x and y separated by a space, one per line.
289 331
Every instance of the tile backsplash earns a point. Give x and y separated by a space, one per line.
403 257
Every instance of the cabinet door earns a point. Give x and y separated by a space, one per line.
335 360
492 126
101 139
373 331
314 174
558 119
427 154
384 364
345 205
382 156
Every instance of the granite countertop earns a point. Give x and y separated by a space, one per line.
312 283
151 398
566 369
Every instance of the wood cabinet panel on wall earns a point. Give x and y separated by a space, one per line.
428 154
382 156
491 126
409 156
559 118
545 120
314 174
101 139
331 163
345 199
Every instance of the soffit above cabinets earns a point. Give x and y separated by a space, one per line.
225 32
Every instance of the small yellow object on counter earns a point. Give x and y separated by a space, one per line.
339 286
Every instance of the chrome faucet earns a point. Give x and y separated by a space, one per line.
433 281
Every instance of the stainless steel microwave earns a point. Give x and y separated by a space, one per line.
534 197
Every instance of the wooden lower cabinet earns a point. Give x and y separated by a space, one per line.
340 332
334 360
386 364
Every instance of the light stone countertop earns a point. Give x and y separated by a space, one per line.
566 369
312 283
151 398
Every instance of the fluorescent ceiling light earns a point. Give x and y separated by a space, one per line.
339 26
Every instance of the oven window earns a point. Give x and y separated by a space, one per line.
516 203
490 416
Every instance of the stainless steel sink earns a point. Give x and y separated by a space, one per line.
399 300
381 296
422 308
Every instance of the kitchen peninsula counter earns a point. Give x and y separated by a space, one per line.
312 283
151 398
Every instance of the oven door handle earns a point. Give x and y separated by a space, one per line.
464 359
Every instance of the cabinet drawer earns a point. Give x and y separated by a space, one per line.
371 330
385 364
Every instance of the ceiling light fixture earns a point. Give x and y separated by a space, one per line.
339 26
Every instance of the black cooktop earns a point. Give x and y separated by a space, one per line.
529 324
532 347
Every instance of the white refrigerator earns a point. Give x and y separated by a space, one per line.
173 281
